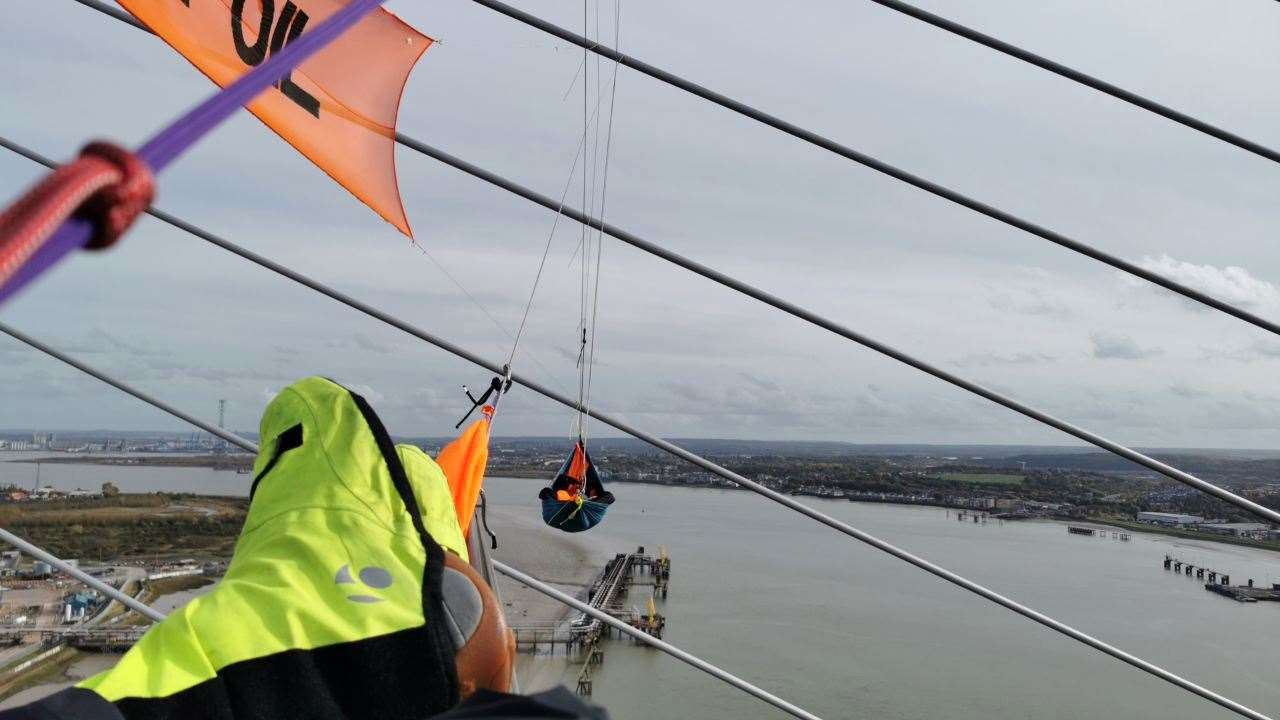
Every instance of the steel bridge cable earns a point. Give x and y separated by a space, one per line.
75 572
718 470
812 318
648 639
1085 79
246 444
881 166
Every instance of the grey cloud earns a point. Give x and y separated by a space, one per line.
760 383
358 341
1188 391
1254 351
1031 301
99 341
1112 346
988 359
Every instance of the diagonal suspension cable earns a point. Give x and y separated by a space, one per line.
39 553
720 471
644 637
1085 79
249 445
809 316
883 167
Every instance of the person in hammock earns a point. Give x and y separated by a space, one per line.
348 596
576 500
578 478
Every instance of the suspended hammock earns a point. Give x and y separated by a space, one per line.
577 500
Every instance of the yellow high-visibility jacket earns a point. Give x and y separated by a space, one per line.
331 605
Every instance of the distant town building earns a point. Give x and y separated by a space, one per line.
1257 531
1169 519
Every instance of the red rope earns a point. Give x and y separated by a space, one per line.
107 185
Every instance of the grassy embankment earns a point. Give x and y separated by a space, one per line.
235 461
50 670
129 525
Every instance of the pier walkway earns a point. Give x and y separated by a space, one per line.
581 634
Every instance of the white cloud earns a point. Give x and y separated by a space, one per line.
1232 284
1113 346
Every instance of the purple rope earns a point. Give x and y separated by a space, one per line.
180 135
174 140
73 234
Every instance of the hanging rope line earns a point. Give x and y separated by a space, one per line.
588 174
252 447
480 306
884 167
1084 79
43 227
725 473
675 652
604 195
697 460
546 250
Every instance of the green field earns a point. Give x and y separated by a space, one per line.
983 478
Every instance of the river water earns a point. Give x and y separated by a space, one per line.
848 632
129 478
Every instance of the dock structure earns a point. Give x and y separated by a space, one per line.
1220 582
1100 533
581 634
1246 593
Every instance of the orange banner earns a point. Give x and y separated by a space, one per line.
464 461
338 108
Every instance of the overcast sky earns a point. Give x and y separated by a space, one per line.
678 355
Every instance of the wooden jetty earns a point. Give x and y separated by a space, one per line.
581 634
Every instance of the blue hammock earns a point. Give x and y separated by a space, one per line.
577 476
